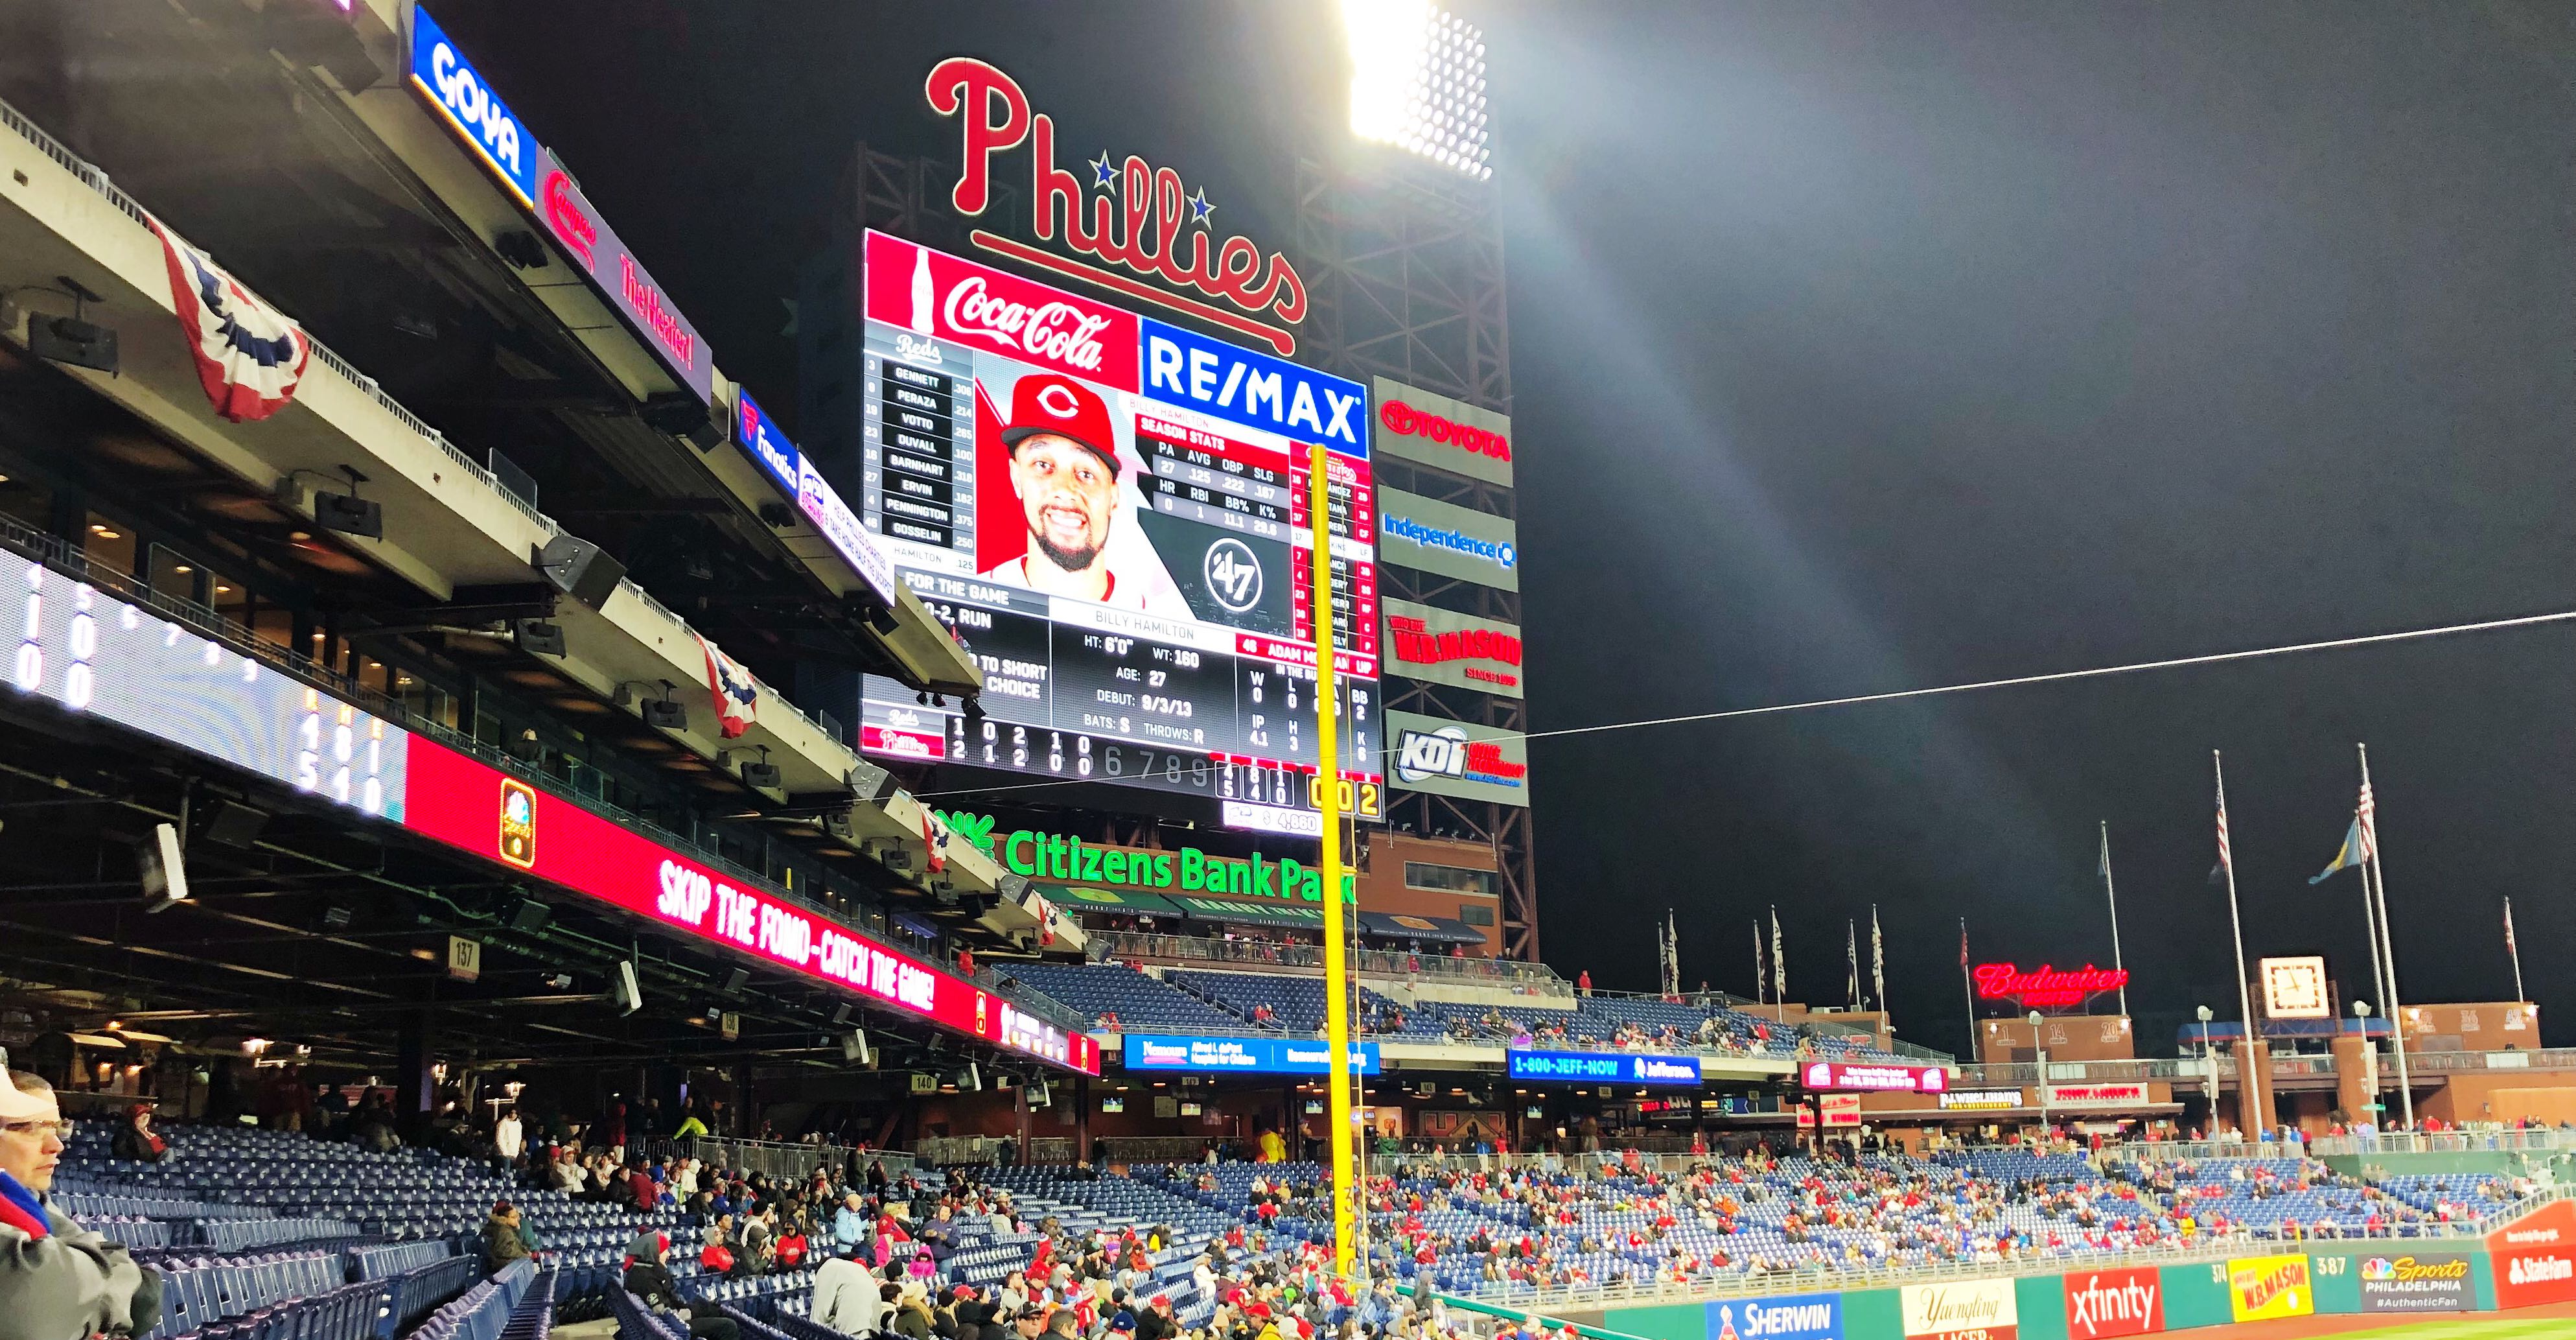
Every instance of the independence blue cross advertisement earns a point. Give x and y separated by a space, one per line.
1604 1068
1242 1056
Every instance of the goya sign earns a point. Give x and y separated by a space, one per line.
453 88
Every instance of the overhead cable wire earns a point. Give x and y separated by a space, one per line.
1936 690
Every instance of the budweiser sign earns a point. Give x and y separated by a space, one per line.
937 297
1142 219
2046 987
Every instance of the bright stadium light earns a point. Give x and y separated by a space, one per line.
1418 81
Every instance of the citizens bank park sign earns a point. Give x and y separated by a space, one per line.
1139 221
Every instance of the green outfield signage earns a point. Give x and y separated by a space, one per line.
1070 860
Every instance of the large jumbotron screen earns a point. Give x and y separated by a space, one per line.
1110 512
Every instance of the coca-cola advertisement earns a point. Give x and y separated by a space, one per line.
1111 513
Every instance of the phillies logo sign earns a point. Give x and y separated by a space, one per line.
2046 987
1139 222
1404 420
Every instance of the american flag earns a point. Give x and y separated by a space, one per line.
2225 860
2369 823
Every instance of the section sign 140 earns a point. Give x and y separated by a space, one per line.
1111 514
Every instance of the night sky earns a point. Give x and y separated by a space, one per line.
1866 347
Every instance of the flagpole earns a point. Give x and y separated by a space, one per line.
2513 951
1779 966
1967 992
2246 1082
2113 895
2370 935
1878 970
1851 959
2387 947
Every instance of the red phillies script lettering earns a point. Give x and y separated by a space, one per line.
1136 224
2045 985
1406 421
572 226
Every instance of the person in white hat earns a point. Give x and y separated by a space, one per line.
62 1281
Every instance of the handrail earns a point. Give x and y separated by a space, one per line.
1371 962
1591 1296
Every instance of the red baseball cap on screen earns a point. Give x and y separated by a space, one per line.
1050 402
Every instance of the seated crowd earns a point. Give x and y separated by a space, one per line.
1204 1251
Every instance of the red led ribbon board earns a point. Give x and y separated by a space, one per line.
2046 987
1872 1077
479 809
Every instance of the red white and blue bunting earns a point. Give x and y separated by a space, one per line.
249 355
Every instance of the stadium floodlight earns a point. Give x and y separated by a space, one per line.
1418 81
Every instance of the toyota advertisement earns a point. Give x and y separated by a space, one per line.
1110 512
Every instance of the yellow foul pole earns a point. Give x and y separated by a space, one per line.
1328 800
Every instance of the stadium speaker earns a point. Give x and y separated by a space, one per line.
579 569
683 415
871 783
666 714
854 1049
537 637
973 1080
530 916
736 980
762 776
521 249
68 339
1042 1096
234 824
625 992
349 514
842 1015
165 871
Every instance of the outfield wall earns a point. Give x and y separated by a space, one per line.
2529 1262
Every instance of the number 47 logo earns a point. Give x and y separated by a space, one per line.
1233 574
